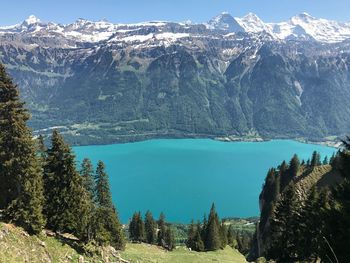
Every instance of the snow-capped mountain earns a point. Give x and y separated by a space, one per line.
225 22
302 27
105 82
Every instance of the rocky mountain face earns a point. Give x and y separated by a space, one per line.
101 82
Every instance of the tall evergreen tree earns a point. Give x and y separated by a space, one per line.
137 228
223 235
107 228
150 228
21 188
103 193
68 203
315 159
213 241
161 231
169 239
88 178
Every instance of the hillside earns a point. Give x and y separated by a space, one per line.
17 246
102 83
273 196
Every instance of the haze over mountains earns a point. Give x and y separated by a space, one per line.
105 82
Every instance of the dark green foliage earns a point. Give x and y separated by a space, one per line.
103 193
223 235
169 239
283 227
87 174
161 231
194 237
291 172
325 160
21 188
231 237
315 159
105 226
67 202
150 228
137 228
107 229
270 193
213 237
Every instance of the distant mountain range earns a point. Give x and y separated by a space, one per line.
101 82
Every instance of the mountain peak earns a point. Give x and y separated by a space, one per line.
32 19
226 22
304 17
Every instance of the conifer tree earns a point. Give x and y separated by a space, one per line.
21 188
137 228
315 159
162 230
230 236
191 235
223 235
87 174
169 239
213 241
204 229
325 160
283 226
198 244
106 228
150 228
68 204
103 193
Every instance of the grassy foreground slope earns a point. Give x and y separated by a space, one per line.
16 246
147 253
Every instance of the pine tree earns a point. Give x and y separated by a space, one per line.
231 236
204 229
191 236
21 188
169 239
68 204
284 225
103 193
107 228
223 235
315 159
162 230
87 174
325 160
198 244
150 228
213 241
137 228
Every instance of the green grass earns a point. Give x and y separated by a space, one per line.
145 253
16 246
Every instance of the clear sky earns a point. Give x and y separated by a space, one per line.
128 11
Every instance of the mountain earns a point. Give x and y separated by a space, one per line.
100 82
225 22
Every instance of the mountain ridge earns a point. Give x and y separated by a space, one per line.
322 30
165 79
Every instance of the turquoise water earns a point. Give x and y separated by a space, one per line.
182 177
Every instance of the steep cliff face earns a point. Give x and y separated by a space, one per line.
171 79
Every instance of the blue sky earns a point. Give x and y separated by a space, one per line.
126 11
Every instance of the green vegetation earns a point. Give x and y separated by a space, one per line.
147 253
41 187
305 211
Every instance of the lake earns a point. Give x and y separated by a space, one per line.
182 177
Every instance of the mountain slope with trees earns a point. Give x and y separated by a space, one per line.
304 211
175 80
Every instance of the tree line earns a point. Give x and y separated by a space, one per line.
42 187
151 231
